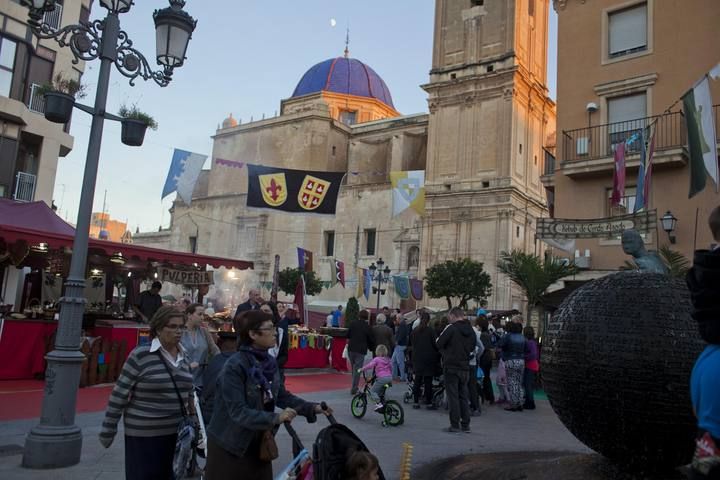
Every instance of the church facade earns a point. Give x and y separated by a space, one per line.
482 146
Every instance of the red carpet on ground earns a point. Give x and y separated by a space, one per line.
23 398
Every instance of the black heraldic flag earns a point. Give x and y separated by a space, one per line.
298 191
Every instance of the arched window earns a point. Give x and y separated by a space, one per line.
413 257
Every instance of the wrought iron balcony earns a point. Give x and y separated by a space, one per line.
25 187
590 150
36 102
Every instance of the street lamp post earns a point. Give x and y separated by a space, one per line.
56 441
380 276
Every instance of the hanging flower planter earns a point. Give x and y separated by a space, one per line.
133 132
58 107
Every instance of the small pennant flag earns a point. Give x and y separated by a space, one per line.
647 150
229 163
697 104
618 191
338 272
183 174
305 259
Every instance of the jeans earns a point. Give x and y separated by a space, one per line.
529 386
487 390
398 362
378 389
356 360
457 396
425 383
473 389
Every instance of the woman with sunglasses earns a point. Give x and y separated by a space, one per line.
145 395
248 392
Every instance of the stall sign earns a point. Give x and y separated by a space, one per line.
562 228
183 277
143 337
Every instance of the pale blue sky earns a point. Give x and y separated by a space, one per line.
244 57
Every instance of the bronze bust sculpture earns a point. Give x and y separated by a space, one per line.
633 244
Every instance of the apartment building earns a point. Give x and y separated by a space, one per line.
30 145
623 64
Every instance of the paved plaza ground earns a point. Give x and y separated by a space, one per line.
494 431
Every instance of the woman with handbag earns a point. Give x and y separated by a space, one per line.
198 344
153 394
241 442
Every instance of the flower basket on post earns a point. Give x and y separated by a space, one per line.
133 132
58 107
134 124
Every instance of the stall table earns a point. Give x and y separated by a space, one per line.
120 330
23 346
307 353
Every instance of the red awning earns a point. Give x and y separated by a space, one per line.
36 223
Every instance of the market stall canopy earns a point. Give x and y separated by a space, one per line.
36 223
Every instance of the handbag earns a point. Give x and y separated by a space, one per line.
186 433
268 447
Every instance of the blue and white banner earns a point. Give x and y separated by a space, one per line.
183 174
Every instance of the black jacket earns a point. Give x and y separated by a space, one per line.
360 337
244 307
384 335
425 355
402 333
703 281
456 343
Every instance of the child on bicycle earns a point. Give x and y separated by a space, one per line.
383 373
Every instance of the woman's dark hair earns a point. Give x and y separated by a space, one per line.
191 308
424 319
529 333
360 465
514 327
364 315
248 321
162 317
273 307
482 323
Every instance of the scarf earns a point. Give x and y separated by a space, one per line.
262 369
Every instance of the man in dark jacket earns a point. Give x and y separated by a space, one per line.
383 334
253 303
360 340
402 337
456 343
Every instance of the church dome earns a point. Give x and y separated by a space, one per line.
345 76
229 122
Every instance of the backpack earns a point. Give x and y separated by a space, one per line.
331 449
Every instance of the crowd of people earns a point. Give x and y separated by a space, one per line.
453 349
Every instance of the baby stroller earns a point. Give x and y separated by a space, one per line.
329 455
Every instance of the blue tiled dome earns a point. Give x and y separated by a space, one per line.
346 76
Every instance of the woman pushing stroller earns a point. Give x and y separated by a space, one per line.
241 433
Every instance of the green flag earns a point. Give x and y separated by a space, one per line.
702 145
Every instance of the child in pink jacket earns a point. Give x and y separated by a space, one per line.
383 372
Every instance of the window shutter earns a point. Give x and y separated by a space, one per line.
628 29
623 109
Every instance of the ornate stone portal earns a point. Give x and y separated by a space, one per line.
616 366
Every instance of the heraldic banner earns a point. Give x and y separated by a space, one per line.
296 191
408 191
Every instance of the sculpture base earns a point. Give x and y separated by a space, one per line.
532 466
48 447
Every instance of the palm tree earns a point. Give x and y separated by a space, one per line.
534 275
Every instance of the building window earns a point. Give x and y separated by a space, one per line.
413 257
370 241
627 203
628 30
348 117
626 116
193 244
329 243
7 63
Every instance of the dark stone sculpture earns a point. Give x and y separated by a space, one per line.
634 245
616 364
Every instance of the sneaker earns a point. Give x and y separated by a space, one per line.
466 429
379 406
451 430
416 406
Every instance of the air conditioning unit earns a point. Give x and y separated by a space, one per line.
583 263
583 144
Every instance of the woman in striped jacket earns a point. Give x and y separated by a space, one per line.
145 396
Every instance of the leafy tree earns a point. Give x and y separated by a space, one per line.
352 309
532 274
463 279
288 279
676 263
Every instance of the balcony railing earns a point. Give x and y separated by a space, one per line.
54 18
25 187
549 163
36 103
598 142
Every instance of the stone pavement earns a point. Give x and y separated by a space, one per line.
495 431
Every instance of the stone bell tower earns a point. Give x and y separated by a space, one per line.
490 120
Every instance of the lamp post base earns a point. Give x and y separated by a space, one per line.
52 447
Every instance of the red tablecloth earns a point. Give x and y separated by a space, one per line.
336 359
22 348
120 330
308 358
